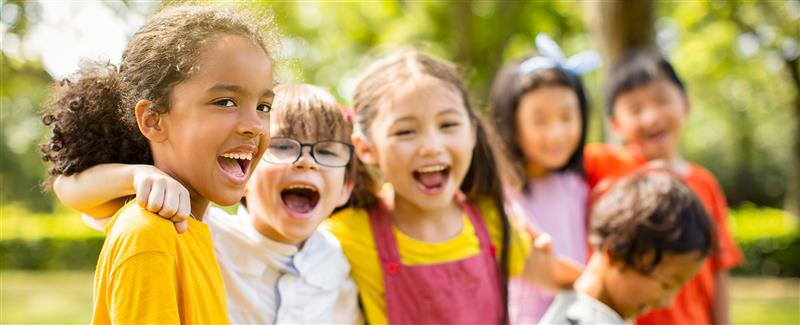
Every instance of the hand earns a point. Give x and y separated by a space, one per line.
161 194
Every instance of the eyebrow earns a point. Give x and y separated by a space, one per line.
238 89
451 111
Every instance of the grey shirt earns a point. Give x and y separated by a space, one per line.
573 308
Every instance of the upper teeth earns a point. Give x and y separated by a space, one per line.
432 169
242 156
301 186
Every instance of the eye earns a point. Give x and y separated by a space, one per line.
227 102
403 132
266 108
448 125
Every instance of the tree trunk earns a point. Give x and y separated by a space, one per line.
792 198
619 27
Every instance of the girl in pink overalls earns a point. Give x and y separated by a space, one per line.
440 248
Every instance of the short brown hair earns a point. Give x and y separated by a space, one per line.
312 112
650 212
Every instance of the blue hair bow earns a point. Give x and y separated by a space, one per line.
551 56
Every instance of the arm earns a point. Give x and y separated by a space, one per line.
545 270
720 304
101 190
144 290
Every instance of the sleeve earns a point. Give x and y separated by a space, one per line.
729 255
95 223
519 243
347 310
143 290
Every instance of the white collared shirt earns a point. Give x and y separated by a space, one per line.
574 308
268 282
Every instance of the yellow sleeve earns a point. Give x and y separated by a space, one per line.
143 290
519 243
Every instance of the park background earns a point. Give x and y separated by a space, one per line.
739 59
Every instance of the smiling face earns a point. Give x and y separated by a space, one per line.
549 124
631 293
287 199
217 122
650 117
422 139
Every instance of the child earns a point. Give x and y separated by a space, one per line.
442 252
540 109
651 235
191 97
647 106
276 265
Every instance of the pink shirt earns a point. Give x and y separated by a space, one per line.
556 204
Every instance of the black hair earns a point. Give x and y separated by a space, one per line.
637 69
508 89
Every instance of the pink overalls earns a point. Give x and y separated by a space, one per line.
461 292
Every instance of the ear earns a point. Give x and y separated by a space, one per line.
150 122
346 191
616 128
364 150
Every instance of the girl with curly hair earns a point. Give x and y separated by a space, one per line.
191 97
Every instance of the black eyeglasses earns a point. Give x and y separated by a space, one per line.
329 153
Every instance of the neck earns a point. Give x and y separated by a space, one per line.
199 203
592 283
425 224
535 170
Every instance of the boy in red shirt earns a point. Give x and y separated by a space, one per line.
647 105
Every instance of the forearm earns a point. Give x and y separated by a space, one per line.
97 191
721 299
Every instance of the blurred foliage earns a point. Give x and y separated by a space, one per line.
769 239
730 53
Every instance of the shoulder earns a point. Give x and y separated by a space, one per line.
328 249
348 222
219 220
134 230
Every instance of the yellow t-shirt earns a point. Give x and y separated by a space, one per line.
352 228
148 274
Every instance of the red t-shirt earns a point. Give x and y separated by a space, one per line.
694 302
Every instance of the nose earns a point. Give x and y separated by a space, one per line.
305 161
252 123
432 144
556 133
650 115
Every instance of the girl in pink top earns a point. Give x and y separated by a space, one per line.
540 109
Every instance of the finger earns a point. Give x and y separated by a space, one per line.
143 192
171 201
543 243
182 227
184 206
156 199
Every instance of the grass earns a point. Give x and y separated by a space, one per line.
66 298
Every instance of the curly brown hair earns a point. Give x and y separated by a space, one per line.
648 214
92 113
482 179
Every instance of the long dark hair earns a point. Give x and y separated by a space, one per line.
507 90
483 178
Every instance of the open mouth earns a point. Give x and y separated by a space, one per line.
432 178
300 198
656 136
235 165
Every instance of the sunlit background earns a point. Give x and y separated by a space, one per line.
739 60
